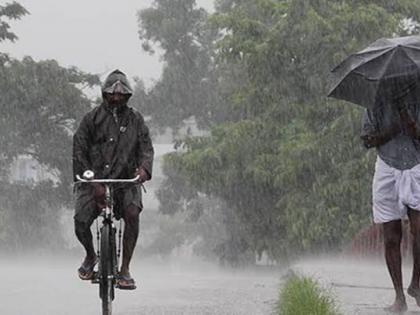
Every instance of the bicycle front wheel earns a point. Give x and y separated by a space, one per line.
106 284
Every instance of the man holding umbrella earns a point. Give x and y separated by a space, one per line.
385 78
396 188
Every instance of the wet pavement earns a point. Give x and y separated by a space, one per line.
35 287
360 286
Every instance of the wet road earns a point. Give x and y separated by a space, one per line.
360 287
34 287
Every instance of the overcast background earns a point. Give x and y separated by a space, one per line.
96 35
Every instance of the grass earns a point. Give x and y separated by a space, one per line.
304 296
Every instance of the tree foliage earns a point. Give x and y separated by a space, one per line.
178 29
10 11
290 165
41 102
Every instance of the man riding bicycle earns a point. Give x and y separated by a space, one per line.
114 142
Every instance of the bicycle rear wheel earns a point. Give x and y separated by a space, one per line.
107 279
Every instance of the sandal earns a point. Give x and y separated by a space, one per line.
126 283
86 270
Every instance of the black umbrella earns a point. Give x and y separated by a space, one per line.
386 71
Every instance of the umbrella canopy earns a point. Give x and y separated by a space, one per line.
388 70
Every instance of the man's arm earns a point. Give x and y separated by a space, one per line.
371 136
81 144
146 152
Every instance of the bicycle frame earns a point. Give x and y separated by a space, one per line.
108 256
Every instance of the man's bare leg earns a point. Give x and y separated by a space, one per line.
392 239
414 289
84 235
82 228
131 233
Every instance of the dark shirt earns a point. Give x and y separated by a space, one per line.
402 151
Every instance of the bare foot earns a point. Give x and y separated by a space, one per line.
415 293
399 307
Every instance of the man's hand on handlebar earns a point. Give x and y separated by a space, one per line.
98 189
142 174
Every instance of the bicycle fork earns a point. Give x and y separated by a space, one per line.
116 248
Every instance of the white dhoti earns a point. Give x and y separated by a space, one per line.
393 191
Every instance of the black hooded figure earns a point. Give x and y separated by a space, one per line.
112 141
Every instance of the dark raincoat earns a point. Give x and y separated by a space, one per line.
113 143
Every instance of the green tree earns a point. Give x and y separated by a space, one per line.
191 87
178 30
10 11
41 104
291 165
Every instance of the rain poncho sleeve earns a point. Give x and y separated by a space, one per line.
146 152
81 144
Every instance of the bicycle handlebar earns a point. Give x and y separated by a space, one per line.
129 180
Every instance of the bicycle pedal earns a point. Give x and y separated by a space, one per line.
95 278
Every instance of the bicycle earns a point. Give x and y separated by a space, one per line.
107 251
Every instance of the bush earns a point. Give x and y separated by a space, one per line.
303 296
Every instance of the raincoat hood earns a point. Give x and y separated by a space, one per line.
117 82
